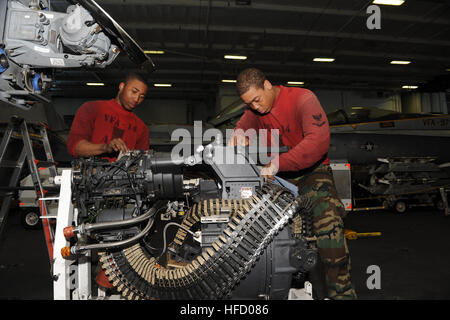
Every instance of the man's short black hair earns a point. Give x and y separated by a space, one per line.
250 77
134 76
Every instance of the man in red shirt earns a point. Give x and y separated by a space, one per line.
106 127
302 127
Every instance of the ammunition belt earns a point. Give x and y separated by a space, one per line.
216 271
203 209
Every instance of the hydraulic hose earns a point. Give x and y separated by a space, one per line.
89 227
149 215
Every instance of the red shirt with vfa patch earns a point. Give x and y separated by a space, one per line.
302 124
103 120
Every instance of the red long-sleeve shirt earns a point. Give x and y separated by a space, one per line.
302 124
103 120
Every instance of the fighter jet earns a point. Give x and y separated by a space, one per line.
400 160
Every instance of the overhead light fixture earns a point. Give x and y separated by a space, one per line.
154 51
233 57
95 84
323 59
409 87
167 85
400 62
295 83
229 81
389 2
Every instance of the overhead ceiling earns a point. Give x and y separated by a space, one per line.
281 37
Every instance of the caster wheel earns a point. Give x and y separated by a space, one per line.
440 205
30 218
400 206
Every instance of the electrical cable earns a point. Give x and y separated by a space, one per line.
164 235
143 239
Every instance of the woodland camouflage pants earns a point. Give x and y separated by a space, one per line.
328 212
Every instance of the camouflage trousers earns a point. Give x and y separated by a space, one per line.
328 214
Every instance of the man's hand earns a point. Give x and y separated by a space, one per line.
116 145
238 140
269 171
